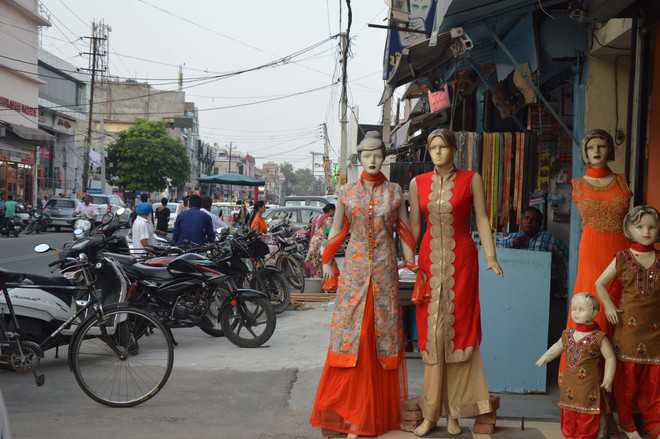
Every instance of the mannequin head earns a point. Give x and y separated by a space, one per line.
371 152
584 308
597 148
441 145
641 225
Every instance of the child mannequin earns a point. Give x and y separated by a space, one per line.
580 386
637 331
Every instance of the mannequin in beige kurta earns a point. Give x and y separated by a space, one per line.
448 317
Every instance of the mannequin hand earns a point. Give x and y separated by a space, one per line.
494 266
612 313
327 271
542 361
607 386
409 265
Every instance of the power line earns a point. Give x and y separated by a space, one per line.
84 23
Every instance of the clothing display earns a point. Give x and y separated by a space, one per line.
637 343
364 375
601 210
313 265
447 302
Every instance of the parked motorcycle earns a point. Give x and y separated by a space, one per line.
11 227
38 222
187 290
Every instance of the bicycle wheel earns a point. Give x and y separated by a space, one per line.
112 366
248 322
277 289
294 273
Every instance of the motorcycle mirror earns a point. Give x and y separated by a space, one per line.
219 230
120 211
42 248
77 232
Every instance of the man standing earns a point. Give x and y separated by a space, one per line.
142 230
162 217
10 207
193 225
207 205
531 237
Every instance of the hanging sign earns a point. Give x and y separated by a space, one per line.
439 100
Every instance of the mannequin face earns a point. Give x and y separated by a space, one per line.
645 231
597 151
582 309
441 153
372 160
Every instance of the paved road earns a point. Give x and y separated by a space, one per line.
216 390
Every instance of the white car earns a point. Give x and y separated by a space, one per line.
101 203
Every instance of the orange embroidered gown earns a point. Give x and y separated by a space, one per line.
364 378
602 211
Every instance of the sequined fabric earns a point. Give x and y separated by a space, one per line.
370 257
580 384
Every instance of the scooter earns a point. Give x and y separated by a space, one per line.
43 303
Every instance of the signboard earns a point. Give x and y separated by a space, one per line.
64 125
18 106
439 100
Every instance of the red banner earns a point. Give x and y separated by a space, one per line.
439 100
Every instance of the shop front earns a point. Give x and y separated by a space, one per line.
19 156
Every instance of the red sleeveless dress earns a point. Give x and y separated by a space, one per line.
448 258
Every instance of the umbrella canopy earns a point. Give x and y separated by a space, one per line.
233 179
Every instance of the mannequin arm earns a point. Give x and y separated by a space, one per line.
407 241
610 364
483 225
601 288
552 353
415 219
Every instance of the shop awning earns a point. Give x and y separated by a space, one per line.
33 135
417 60
233 180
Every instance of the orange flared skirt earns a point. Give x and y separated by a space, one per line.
364 400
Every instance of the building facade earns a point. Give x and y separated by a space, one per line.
63 114
20 138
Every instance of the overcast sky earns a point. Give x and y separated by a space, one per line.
232 35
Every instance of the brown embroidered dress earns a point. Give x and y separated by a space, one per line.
637 335
370 258
579 387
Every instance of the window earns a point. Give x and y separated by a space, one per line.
62 204
307 215
280 214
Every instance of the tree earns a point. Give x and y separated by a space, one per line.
299 181
145 157
286 169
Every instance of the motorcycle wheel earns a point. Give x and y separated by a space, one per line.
29 229
242 317
293 270
277 288
211 323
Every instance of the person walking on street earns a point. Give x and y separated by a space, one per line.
10 207
162 217
87 210
242 212
142 230
258 224
193 225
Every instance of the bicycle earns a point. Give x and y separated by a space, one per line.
121 356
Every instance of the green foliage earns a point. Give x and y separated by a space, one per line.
145 157
300 181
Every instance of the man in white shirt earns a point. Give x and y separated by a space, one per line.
206 208
142 231
87 210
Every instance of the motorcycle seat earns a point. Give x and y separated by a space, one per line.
147 272
51 284
121 259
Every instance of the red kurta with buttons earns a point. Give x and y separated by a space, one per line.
370 258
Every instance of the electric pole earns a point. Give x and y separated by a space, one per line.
343 149
345 44
229 165
99 35
326 161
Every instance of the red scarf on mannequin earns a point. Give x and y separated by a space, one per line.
641 247
598 172
376 179
586 327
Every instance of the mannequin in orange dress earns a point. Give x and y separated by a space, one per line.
603 199
364 380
